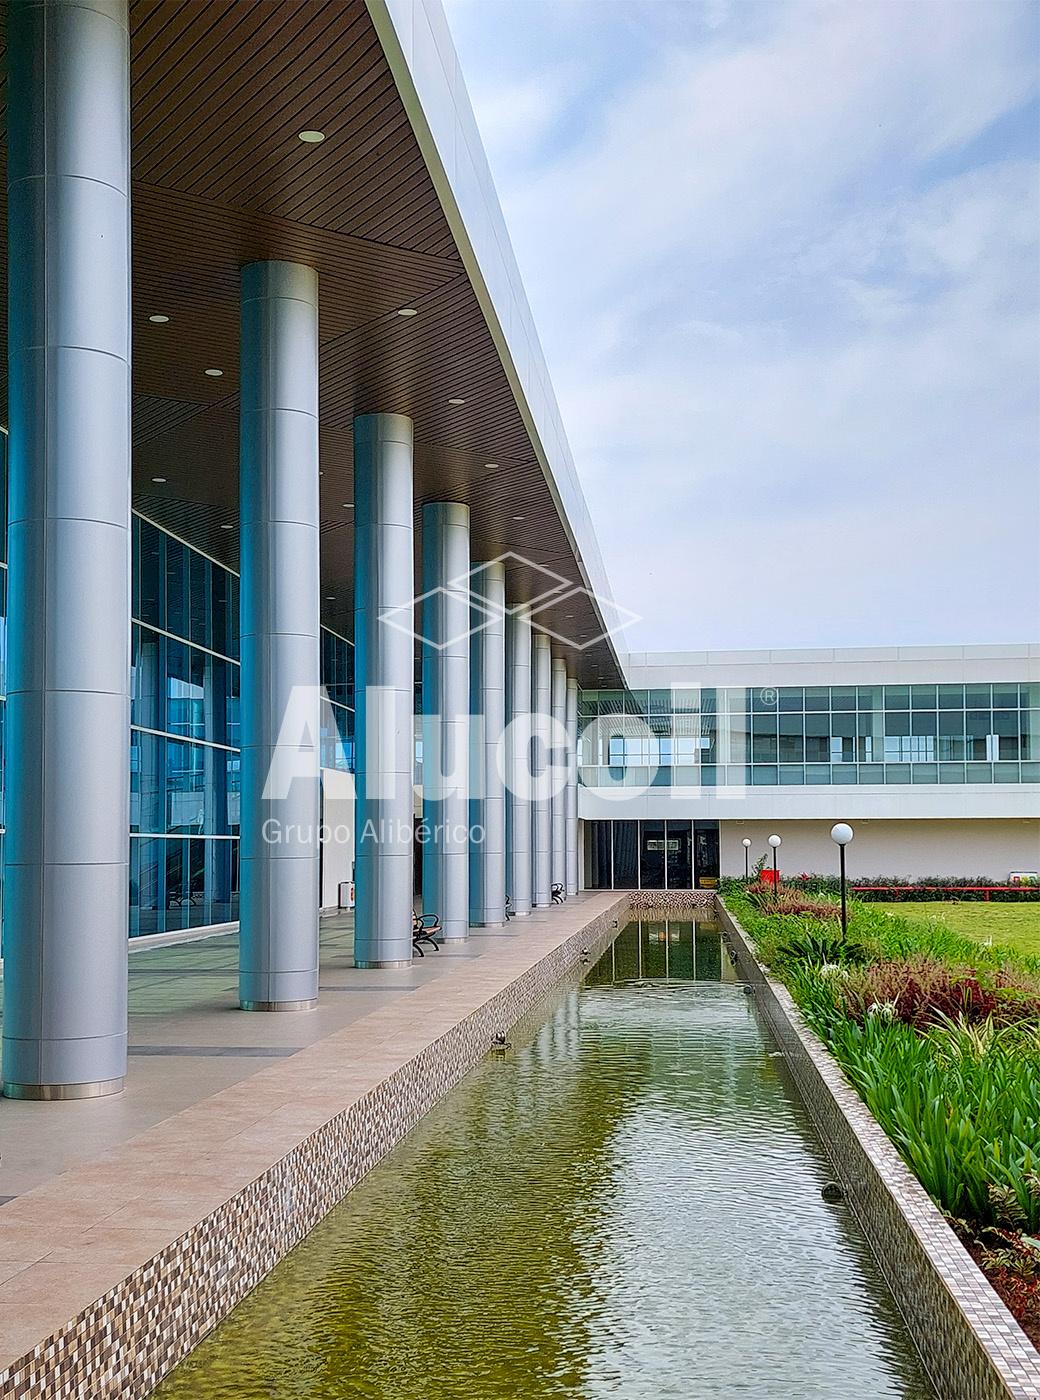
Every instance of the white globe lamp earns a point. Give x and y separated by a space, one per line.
841 835
774 841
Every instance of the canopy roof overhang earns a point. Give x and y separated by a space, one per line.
221 90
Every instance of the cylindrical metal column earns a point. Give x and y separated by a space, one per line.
384 684
487 804
68 628
519 872
281 663
559 762
541 807
572 786
445 719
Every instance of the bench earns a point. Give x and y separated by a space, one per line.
425 928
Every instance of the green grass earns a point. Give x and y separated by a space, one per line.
960 1102
1007 925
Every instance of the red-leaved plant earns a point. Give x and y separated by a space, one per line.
922 991
788 901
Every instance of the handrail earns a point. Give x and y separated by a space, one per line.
950 889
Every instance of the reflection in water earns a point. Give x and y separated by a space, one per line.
626 1206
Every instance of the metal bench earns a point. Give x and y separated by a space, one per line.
425 928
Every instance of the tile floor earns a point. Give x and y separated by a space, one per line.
188 1039
218 1098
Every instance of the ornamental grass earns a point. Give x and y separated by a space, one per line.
940 1036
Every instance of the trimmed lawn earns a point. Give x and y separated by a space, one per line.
1013 925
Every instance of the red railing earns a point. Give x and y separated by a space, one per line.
948 889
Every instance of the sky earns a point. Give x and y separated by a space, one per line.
783 259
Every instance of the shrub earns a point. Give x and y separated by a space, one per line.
940 1037
899 890
785 900
968 1127
930 888
921 991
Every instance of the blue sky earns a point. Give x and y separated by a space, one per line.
783 259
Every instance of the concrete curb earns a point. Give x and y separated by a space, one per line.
971 1345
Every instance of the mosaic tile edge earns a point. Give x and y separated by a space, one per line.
971 1345
130 1338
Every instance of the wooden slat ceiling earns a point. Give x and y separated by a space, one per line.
220 91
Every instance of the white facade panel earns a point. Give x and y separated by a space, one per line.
938 800
910 850
835 666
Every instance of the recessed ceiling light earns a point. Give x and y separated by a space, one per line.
214 373
159 320
312 138
457 402
491 466
518 517
408 311
330 597
227 527
160 480
348 505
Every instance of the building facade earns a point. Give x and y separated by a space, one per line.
289 500
933 753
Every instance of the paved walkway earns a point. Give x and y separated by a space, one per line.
215 1096
189 1039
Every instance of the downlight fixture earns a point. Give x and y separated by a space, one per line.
312 138
158 319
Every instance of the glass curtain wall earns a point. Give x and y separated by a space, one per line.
184 727
185 773
184 737
815 735
651 855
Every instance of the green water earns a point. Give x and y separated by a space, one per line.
626 1205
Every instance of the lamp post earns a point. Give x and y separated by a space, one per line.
774 841
841 835
746 843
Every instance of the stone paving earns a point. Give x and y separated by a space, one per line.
218 1103
188 1039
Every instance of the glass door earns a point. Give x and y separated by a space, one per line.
626 855
706 854
651 855
680 855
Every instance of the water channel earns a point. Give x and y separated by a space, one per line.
624 1204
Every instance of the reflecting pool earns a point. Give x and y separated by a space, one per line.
624 1204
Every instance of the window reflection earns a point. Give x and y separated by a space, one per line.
185 769
818 735
185 766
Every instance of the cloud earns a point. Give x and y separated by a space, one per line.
791 320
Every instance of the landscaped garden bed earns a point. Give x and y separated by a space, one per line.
895 889
940 1036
